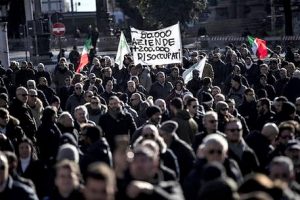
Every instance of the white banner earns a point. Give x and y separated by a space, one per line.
157 47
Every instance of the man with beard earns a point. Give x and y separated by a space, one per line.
264 113
248 108
116 121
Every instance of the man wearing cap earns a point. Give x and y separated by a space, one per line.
92 81
11 189
154 117
207 100
181 149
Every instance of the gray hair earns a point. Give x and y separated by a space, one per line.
216 139
285 161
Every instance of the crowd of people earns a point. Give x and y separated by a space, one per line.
142 132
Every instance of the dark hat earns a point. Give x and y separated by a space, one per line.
150 111
68 138
237 78
293 144
206 97
262 76
213 171
4 97
288 108
169 126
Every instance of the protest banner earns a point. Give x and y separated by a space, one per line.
158 47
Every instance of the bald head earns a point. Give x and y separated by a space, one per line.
270 131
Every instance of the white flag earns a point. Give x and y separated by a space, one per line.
188 73
123 49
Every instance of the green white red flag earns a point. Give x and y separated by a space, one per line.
258 47
84 59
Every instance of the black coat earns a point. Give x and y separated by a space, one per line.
75 195
185 156
249 112
23 75
248 163
122 125
98 151
193 181
164 189
35 172
45 74
16 190
263 119
48 139
261 146
14 132
292 89
169 160
24 115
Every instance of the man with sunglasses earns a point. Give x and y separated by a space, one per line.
19 109
210 124
76 99
213 149
181 149
238 149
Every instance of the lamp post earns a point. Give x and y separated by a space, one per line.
4 50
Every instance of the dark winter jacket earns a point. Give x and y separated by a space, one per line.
24 115
122 125
16 190
187 127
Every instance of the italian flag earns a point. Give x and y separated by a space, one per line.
84 59
258 47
